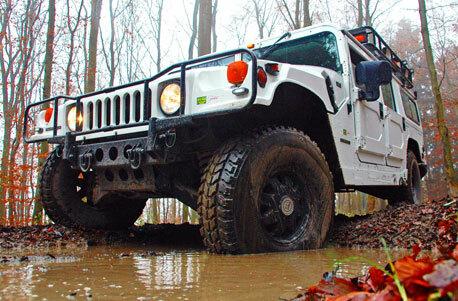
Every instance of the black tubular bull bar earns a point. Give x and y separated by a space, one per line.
154 123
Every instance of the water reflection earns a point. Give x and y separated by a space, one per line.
110 274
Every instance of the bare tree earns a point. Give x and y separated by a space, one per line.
300 10
306 13
96 8
205 24
72 28
112 56
451 175
214 35
155 17
19 32
266 17
194 29
360 13
49 55
47 79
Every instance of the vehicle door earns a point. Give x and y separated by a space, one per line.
394 124
369 123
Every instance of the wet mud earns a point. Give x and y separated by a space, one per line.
163 271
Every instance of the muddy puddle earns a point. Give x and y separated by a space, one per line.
168 273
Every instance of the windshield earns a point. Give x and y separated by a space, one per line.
315 50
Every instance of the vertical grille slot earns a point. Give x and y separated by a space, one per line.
108 111
117 113
126 108
138 106
99 113
90 115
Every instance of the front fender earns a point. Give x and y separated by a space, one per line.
309 77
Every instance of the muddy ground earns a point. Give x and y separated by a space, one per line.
429 226
401 227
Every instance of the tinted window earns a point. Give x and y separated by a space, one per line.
410 107
315 50
388 97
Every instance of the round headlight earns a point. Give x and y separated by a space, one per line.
170 99
72 120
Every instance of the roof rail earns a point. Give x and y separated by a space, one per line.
373 42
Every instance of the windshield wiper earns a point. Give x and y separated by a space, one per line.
272 47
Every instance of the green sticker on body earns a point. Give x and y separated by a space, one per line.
201 100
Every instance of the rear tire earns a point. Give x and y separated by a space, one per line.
411 193
271 191
65 195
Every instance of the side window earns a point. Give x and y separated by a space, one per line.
410 107
388 96
355 60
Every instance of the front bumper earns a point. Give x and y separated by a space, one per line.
152 147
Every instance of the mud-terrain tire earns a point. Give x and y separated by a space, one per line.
63 203
411 193
271 191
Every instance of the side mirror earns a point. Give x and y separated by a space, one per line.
373 74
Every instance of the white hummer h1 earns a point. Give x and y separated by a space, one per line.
256 140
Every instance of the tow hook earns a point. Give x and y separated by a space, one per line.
85 161
170 137
135 155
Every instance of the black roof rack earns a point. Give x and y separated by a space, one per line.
370 39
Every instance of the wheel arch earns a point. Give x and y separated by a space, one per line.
292 105
412 145
296 106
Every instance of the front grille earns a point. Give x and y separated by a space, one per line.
115 109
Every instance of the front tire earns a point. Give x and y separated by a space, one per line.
271 191
66 197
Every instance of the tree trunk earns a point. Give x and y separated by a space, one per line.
47 80
214 35
205 24
306 9
112 41
192 40
158 35
360 13
297 22
451 175
368 19
49 55
96 7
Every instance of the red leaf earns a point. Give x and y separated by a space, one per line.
334 287
408 267
377 278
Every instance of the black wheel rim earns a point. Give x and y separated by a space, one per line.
283 206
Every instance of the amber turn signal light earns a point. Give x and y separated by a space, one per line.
236 72
48 114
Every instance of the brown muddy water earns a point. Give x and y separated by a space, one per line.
168 273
